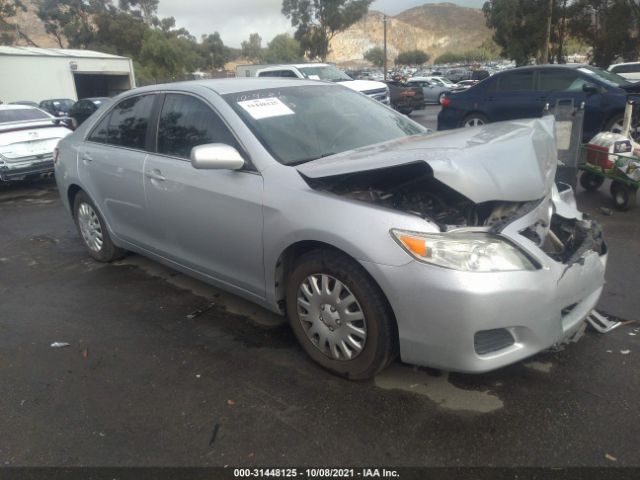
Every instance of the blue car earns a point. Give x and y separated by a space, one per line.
523 93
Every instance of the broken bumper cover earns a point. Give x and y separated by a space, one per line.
19 169
476 322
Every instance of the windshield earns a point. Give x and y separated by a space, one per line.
300 124
22 114
610 78
325 72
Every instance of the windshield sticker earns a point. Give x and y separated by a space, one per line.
313 77
266 108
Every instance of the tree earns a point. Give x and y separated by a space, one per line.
283 49
252 49
375 55
214 52
610 27
9 32
70 20
318 21
412 57
519 27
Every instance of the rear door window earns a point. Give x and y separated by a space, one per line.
186 122
516 81
129 121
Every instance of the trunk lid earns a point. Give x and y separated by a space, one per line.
29 142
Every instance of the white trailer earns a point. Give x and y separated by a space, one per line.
36 74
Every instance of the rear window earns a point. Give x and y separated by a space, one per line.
22 114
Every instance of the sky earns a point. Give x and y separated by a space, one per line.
235 20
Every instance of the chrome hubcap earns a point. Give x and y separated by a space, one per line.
331 317
90 227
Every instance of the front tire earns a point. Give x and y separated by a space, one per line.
590 181
339 315
93 230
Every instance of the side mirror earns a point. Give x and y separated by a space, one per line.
216 156
590 88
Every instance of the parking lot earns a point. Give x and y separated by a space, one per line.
162 370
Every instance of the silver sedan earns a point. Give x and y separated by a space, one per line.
433 92
374 236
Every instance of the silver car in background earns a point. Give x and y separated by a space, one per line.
374 236
28 137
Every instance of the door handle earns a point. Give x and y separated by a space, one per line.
86 157
155 175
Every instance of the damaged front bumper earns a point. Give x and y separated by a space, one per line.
476 322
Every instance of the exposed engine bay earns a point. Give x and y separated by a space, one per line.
413 189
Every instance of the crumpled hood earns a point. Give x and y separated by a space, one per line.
511 161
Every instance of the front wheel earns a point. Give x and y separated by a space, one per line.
591 181
339 315
93 230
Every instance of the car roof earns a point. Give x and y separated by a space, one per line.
623 64
223 86
572 66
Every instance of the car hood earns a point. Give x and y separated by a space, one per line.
508 161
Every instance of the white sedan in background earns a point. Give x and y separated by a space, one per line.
28 137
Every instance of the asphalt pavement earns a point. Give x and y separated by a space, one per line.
162 370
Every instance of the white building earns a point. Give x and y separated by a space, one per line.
28 73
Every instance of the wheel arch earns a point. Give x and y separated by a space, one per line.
292 252
72 192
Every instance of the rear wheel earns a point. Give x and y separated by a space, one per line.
474 120
624 197
339 315
93 230
615 125
590 181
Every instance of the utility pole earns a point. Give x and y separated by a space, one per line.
547 42
384 21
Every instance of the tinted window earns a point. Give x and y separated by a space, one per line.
99 133
561 80
186 122
278 73
128 122
516 81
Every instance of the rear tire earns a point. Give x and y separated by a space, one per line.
590 181
624 197
93 230
474 120
339 315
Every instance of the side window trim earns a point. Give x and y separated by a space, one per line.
242 150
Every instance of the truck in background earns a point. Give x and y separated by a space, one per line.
317 71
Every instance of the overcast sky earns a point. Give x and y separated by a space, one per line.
237 19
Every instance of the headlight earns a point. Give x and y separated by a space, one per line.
467 252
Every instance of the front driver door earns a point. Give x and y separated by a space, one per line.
207 220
